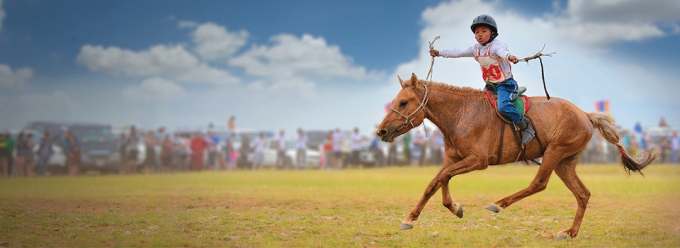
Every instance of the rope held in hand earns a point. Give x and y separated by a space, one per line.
538 56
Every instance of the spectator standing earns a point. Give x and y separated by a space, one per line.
258 151
198 147
301 149
392 157
229 154
355 140
166 155
22 157
244 150
376 149
662 122
665 147
212 142
416 148
407 147
30 155
436 144
122 153
346 149
44 154
675 147
72 150
5 153
328 151
132 144
150 160
281 150
337 148
11 143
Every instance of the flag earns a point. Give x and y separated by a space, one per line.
602 106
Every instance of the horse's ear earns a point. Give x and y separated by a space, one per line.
401 82
414 80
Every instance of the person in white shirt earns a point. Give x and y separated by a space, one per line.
301 149
494 58
675 147
281 150
355 140
337 145
258 151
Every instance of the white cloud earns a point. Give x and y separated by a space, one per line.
603 22
159 60
14 79
154 89
306 57
2 14
214 42
187 24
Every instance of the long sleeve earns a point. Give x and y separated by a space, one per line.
457 52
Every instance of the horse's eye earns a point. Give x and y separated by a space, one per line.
402 104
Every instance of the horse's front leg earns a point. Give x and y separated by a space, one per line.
464 166
442 180
415 212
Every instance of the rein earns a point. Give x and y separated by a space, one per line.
407 118
421 107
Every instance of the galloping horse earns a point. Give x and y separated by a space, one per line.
472 141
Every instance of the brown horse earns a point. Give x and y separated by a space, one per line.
472 141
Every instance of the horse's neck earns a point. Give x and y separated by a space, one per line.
445 109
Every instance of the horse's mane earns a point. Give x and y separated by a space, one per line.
452 89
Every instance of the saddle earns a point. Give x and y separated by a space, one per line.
521 102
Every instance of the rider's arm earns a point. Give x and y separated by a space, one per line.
457 52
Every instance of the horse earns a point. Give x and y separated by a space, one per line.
473 140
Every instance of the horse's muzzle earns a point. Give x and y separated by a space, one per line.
385 135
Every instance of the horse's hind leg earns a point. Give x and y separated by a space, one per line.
539 183
566 170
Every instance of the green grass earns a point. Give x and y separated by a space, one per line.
336 208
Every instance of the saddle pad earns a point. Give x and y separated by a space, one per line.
521 104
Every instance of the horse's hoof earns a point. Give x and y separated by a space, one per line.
405 226
459 213
562 236
493 208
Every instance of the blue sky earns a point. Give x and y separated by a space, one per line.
315 64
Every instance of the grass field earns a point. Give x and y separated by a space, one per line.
336 208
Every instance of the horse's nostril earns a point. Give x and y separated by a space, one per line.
382 133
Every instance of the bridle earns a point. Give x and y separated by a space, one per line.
421 107
407 119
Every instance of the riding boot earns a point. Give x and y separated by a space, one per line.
527 131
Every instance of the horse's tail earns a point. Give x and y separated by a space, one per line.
606 126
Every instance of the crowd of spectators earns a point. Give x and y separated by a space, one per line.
157 151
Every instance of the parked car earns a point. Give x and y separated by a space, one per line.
270 154
99 146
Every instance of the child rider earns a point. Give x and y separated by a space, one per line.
494 57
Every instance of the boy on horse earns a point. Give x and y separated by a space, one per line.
494 58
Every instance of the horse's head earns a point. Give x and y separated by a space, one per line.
406 112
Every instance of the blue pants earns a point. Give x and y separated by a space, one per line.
506 92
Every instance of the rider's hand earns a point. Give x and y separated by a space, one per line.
434 52
513 59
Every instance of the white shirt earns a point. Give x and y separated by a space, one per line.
337 141
498 50
282 143
258 145
301 142
356 141
675 143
